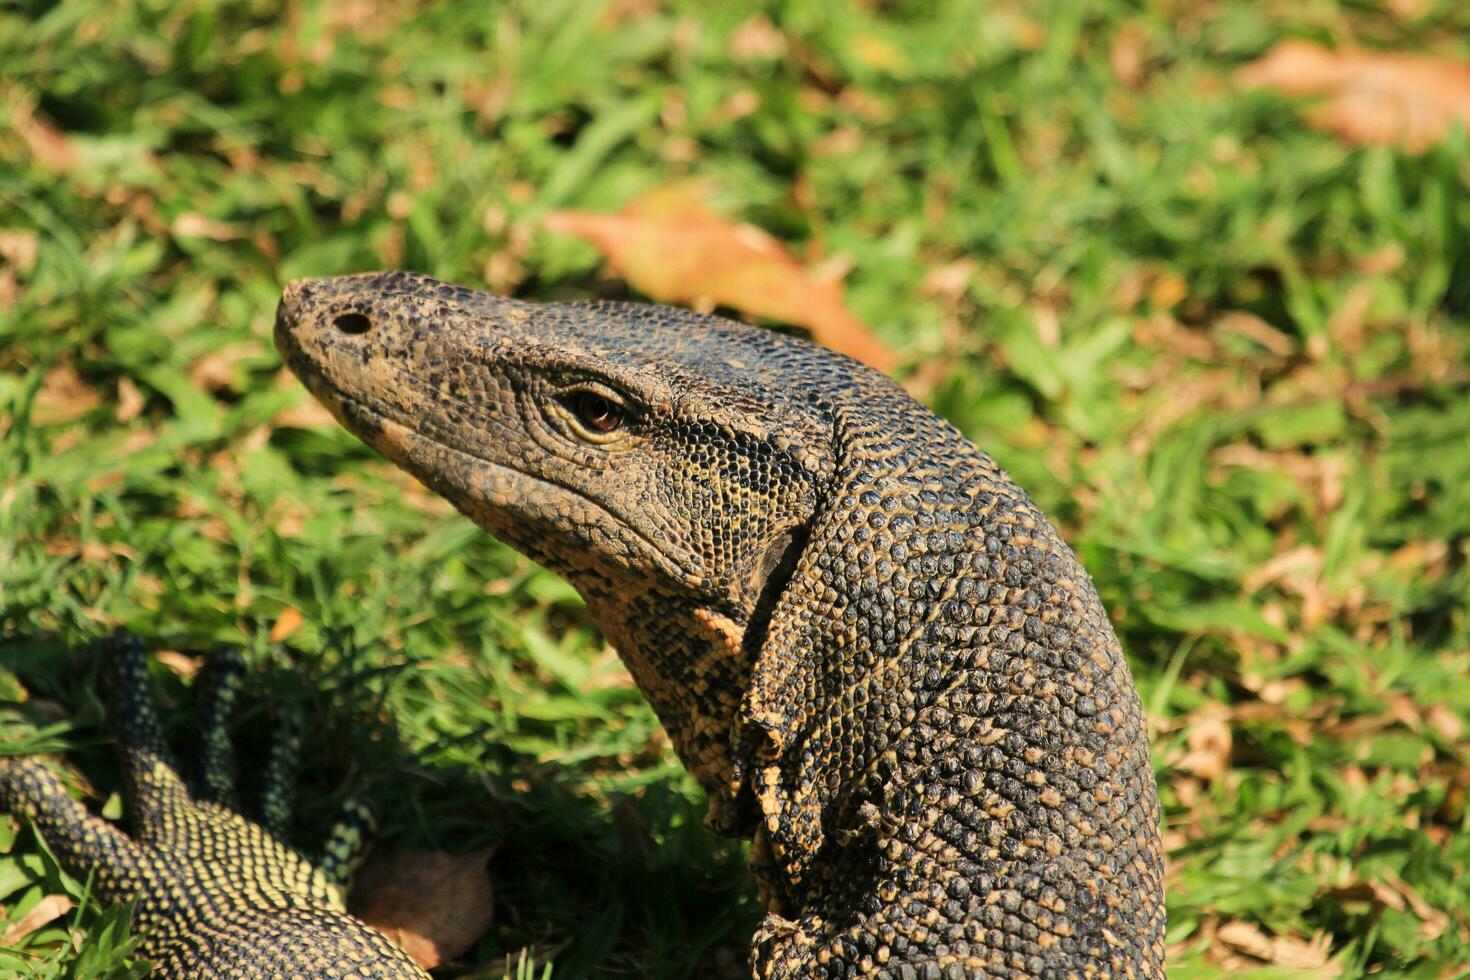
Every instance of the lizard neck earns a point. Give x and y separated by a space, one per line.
691 662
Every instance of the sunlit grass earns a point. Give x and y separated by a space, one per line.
1225 352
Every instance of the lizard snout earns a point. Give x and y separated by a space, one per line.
288 312
312 310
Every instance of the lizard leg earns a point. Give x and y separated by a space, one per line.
347 843
278 786
214 838
157 797
214 894
82 842
219 684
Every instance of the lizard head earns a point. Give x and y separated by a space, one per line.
666 463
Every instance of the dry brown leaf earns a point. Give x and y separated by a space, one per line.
306 413
618 12
670 245
220 370
49 146
1255 329
19 247
181 664
46 911
434 905
1208 737
368 20
876 52
1364 891
743 102
1048 325
757 40
1392 892
1406 100
64 397
191 224
9 293
1288 951
289 622
129 400
1125 53
1432 922
1168 291
949 280
1298 568
1445 722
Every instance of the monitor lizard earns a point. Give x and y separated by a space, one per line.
871 649
876 655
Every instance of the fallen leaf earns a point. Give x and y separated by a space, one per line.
19 247
1299 568
49 146
306 413
181 664
618 12
1254 329
221 370
743 102
46 911
434 905
670 245
129 400
1392 892
875 52
1445 722
1286 951
950 280
1432 922
1406 100
757 40
1208 739
64 397
191 224
368 20
289 622
1168 291
1125 53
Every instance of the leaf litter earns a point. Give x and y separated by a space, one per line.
671 245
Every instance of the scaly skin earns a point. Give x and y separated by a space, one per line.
217 896
876 655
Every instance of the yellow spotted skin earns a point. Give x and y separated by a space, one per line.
215 894
874 652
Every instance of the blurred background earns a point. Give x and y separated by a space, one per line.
1196 273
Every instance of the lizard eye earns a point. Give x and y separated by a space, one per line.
598 412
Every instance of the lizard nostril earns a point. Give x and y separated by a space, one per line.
353 323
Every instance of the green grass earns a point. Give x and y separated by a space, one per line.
1225 352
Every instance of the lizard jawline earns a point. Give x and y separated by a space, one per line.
490 493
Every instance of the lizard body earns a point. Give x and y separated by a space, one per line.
872 650
875 654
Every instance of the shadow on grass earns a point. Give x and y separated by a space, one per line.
595 884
